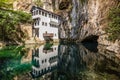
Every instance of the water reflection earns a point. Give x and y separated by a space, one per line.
58 62
72 62
44 59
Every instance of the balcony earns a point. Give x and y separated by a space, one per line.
54 20
48 36
35 16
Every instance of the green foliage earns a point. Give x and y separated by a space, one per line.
13 52
10 21
114 24
6 4
9 24
38 3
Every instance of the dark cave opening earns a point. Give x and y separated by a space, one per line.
91 43
91 38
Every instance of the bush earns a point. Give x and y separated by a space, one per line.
113 28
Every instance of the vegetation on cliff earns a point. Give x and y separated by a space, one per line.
114 23
38 3
10 21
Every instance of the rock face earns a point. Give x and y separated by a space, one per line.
23 5
85 19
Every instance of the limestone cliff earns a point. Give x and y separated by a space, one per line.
81 19
22 5
86 19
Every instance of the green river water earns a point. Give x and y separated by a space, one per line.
57 62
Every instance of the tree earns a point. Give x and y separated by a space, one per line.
10 22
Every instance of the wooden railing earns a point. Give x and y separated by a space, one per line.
48 34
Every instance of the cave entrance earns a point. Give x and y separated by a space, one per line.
91 43
91 38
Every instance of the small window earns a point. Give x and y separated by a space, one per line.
55 48
46 14
45 60
42 23
50 15
43 13
42 61
34 12
45 24
39 12
46 32
50 25
38 22
56 17
55 34
35 23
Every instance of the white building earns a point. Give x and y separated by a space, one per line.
44 60
45 24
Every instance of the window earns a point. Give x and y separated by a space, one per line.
35 23
46 14
50 25
50 15
42 61
36 12
45 60
38 22
39 12
56 17
43 13
42 23
55 34
45 24
46 32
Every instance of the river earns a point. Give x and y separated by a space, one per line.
57 62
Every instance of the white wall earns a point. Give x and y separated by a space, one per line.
48 28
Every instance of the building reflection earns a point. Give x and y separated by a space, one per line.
44 59
71 62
